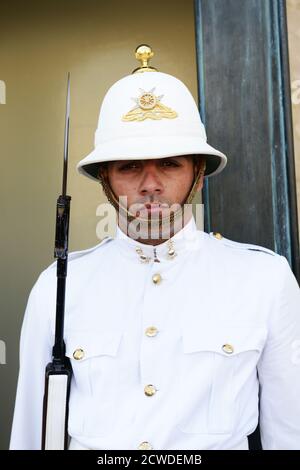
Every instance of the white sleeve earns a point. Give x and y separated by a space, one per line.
35 354
279 368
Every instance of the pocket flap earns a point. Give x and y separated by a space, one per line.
90 343
227 340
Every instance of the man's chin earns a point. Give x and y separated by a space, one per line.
154 215
151 226
155 223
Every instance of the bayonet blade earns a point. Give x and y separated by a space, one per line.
66 143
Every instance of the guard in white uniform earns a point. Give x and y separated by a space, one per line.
179 345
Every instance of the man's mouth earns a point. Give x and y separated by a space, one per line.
148 208
155 206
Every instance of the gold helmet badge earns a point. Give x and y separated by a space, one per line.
148 105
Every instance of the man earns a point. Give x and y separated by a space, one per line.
172 333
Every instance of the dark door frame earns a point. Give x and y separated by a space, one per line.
244 99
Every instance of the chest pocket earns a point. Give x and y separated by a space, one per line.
94 359
216 365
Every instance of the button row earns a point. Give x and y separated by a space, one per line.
149 390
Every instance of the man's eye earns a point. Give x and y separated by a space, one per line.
170 163
129 166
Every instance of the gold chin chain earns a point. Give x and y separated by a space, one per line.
165 220
113 200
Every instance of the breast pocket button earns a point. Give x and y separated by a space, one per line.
78 354
228 348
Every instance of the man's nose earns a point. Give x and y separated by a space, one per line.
150 182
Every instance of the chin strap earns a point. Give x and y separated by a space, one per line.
168 219
195 183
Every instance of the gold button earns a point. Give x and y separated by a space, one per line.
145 446
172 253
156 278
227 348
151 331
150 390
78 354
217 235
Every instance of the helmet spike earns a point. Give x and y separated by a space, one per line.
144 53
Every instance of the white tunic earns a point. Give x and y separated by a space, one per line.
227 319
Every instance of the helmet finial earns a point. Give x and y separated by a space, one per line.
144 53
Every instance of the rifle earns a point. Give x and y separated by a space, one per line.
58 373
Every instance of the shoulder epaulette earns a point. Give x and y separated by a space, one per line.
78 254
238 245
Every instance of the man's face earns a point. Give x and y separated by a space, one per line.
154 185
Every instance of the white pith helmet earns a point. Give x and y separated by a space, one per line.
146 116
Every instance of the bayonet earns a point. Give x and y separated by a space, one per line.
59 371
